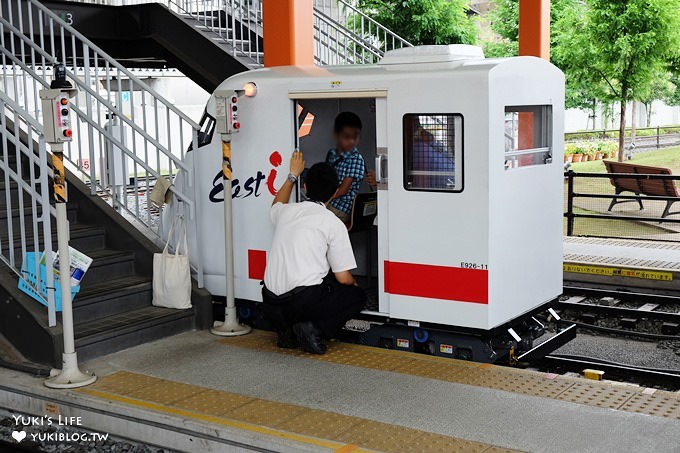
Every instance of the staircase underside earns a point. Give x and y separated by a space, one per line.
151 36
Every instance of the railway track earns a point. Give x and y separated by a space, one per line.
653 318
651 377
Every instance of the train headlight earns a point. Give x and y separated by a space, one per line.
250 89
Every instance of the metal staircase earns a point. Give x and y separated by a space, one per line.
126 137
343 34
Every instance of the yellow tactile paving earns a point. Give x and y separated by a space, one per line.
343 433
596 394
647 404
321 424
267 413
213 402
380 436
438 443
608 397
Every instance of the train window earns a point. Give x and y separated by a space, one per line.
205 133
528 136
433 150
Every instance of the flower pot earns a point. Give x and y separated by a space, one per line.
598 156
567 158
576 157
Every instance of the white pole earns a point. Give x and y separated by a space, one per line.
230 326
70 375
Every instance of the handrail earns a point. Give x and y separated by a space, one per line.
115 63
322 5
31 207
360 32
117 119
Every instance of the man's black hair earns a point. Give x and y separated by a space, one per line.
346 119
322 182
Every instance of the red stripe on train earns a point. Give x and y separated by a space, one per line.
437 282
257 260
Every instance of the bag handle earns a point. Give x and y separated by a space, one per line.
172 229
184 238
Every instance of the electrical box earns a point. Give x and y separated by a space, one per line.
226 109
57 114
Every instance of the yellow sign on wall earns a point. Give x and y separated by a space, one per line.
617 272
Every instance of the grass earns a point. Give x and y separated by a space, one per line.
668 158
611 228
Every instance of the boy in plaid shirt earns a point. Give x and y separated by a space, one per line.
347 162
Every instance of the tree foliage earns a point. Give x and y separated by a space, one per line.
424 21
621 47
504 18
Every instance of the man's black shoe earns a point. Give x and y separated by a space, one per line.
309 337
286 339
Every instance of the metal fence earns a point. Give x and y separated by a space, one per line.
646 137
622 205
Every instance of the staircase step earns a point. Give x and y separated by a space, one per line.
107 298
83 237
15 214
121 331
109 264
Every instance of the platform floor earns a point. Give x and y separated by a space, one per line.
622 252
249 392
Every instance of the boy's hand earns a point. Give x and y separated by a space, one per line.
370 178
297 164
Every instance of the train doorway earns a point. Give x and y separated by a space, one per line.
313 119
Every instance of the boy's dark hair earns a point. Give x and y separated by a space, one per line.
346 119
322 182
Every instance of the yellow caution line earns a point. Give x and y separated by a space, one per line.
337 446
617 272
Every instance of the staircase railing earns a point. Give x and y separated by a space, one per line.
238 23
343 34
24 175
126 136
346 35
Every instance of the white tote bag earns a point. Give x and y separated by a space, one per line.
171 273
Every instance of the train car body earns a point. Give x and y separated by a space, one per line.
475 243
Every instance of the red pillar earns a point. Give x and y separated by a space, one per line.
534 40
288 33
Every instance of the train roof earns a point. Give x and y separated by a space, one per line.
427 61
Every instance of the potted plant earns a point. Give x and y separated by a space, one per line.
569 152
598 150
578 153
588 152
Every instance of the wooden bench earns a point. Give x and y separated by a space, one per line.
641 186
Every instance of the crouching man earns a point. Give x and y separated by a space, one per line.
305 302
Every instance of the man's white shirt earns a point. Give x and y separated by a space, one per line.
309 240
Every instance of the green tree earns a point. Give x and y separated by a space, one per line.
672 97
624 44
661 88
424 21
504 19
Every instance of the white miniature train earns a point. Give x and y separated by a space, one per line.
472 244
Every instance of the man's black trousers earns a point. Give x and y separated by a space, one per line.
328 306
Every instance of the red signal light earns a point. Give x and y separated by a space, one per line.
237 125
64 101
234 100
68 133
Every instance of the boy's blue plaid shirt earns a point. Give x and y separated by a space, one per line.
349 165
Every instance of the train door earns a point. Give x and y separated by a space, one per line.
420 185
314 120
